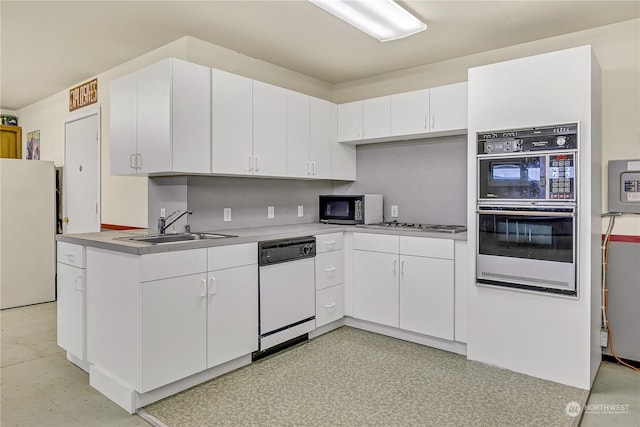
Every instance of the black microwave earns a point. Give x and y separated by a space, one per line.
351 209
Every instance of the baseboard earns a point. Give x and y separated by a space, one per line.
611 359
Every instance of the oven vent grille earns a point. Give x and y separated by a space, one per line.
524 279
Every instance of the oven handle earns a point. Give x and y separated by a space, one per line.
528 213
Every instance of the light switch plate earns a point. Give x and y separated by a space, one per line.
300 211
227 214
394 211
271 212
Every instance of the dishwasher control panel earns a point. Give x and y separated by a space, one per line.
283 250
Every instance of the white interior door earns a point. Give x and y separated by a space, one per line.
81 173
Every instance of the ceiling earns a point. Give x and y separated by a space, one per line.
48 46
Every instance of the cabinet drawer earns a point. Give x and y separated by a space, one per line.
376 242
427 247
221 257
329 305
71 254
329 269
328 242
173 264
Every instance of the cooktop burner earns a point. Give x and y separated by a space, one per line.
438 228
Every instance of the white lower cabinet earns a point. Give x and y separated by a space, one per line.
173 329
232 313
158 318
71 288
426 296
405 282
375 287
329 304
71 285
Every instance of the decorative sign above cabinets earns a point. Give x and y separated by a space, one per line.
83 95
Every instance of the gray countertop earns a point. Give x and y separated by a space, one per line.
112 240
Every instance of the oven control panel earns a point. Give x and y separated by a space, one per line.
561 177
544 138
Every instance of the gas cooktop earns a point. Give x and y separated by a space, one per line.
436 228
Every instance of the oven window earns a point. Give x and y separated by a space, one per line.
539 237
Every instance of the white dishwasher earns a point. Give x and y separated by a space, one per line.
287 293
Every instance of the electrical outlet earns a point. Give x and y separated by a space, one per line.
227 214
604 338
394 211
271 212
163 213
300 211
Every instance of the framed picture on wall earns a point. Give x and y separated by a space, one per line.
33 145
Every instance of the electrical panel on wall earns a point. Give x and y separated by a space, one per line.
624 186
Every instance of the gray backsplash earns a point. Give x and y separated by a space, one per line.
425 178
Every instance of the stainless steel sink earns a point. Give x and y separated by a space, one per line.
156 239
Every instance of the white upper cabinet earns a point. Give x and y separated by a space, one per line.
321 136
298 133
232 118
269 130
410 113
123 118
368 119
376 113
160 119
448 106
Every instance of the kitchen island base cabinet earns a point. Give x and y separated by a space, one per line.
157 323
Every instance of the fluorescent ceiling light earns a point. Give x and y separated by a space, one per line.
383 19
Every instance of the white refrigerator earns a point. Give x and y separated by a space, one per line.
27 232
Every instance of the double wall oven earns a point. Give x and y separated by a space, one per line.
526 208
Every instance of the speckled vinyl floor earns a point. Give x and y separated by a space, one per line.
350 377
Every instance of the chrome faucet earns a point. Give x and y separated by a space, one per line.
164 223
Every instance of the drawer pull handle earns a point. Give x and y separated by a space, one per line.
330 244
330 271
330 305
69 256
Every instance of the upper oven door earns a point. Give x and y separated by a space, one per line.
546 234
512 178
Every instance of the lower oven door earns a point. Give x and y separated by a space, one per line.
527 248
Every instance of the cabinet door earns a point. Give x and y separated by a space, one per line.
426 296
71 281
154 118
343 156
350 121
191 117
320 137
298 162
233 314
376 114
123 101
375 287
448 105
173 329
232 123
269 130
410 113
